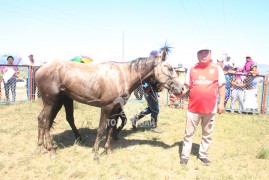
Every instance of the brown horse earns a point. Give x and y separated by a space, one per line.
106 85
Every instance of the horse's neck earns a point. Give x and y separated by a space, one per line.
137 74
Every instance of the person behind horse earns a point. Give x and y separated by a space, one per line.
204 80
150 88
32 65
238 86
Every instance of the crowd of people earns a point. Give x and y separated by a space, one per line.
10 73
242 85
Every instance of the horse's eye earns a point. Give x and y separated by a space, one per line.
169 68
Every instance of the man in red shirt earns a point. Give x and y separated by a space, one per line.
206 81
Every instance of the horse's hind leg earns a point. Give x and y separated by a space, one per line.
69 109
50 111
40 143
42 123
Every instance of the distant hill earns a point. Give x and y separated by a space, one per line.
263 69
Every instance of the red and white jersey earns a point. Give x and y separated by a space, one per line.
204 83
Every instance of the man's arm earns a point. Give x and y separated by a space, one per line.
221 99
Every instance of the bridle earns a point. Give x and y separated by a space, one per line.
170 76
160 71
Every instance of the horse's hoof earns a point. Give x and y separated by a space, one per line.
53 154
96 158
44 151
109 151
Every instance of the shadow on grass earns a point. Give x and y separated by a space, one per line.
67 139
124 143
194 149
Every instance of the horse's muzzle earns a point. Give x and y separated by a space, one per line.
177 90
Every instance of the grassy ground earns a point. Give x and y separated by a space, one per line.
240 148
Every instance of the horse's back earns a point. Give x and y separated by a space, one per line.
81 82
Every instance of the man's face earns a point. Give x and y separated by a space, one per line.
204 57
31 58
254 68
10 60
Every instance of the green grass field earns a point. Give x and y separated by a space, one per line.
240 148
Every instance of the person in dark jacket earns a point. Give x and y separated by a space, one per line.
150 88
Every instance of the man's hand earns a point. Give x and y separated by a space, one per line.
221 108
184 91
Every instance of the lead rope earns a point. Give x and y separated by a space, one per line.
153 97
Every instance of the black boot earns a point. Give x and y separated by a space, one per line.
154 126
136 118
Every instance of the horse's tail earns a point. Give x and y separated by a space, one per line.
36 68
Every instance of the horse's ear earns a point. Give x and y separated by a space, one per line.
165 51
163 54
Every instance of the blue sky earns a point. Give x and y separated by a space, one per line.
53 29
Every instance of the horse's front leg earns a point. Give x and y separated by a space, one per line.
100 131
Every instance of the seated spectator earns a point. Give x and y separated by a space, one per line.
220 62
248 64
252 82
226 70
228 62
237 84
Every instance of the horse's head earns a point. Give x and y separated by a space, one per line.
165 74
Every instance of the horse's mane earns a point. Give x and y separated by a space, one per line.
165 50
137 61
